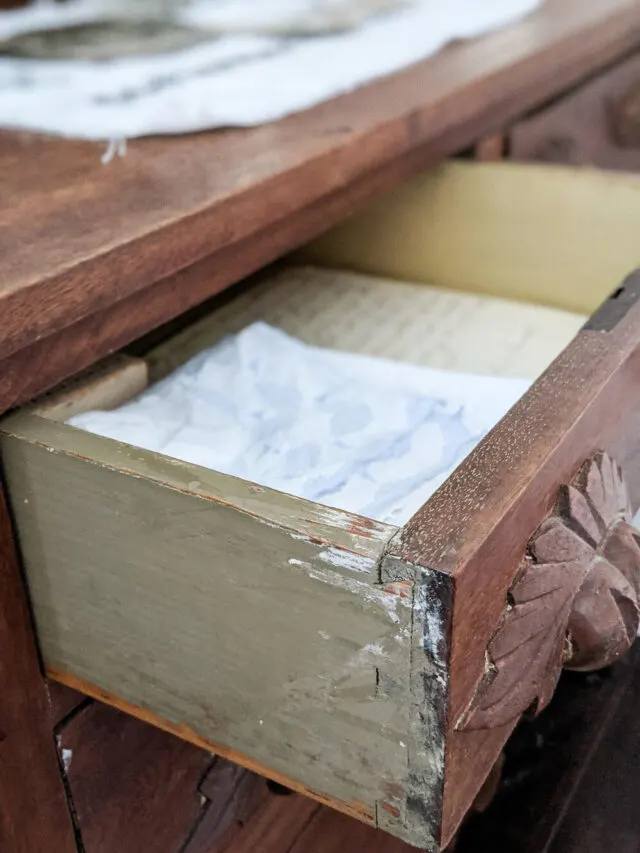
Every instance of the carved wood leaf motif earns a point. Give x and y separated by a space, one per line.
574 601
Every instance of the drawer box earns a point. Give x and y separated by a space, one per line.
375 668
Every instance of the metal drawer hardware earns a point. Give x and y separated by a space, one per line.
574 602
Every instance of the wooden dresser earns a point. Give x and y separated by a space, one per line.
530 538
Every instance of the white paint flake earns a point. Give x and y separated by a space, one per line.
371 594
347 560
67 755
432 639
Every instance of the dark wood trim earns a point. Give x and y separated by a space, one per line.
34 814
574 603
548 761
477 525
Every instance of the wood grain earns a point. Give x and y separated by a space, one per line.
192 560
586 127
274 828
106 385
574 602
34 817
354 810
104 233
63 701
236 798
475 528
133 786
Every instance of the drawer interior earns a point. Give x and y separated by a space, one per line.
377 316
484 268
546 234
485 351
473 268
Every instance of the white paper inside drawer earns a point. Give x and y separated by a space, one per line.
364 434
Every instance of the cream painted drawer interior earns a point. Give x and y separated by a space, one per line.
353 659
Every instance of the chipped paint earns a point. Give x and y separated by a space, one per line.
347 560
67 755
332 607
356 524
371 594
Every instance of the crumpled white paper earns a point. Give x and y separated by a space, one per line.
241 79
368 435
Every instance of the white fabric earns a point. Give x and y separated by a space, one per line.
369 435
234 80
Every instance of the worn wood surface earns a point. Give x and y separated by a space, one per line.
235 797
133 786
357 811
106 232
591 126
475 528
165 208
109 480
519 231
34 817
107 385
63 702
574 602
186 574
550 796
342 310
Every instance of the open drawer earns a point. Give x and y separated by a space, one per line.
377 668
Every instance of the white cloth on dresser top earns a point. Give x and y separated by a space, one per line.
365 434
238 79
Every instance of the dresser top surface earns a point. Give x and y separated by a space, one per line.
79 236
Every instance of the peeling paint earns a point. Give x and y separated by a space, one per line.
367 592
357 525
347 560
67 755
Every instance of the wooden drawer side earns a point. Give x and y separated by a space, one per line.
247 621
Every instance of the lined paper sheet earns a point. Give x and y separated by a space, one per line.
329 385
368 435
416 323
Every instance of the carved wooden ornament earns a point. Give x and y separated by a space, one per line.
574 602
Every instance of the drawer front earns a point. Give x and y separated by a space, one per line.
523 231
375 668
